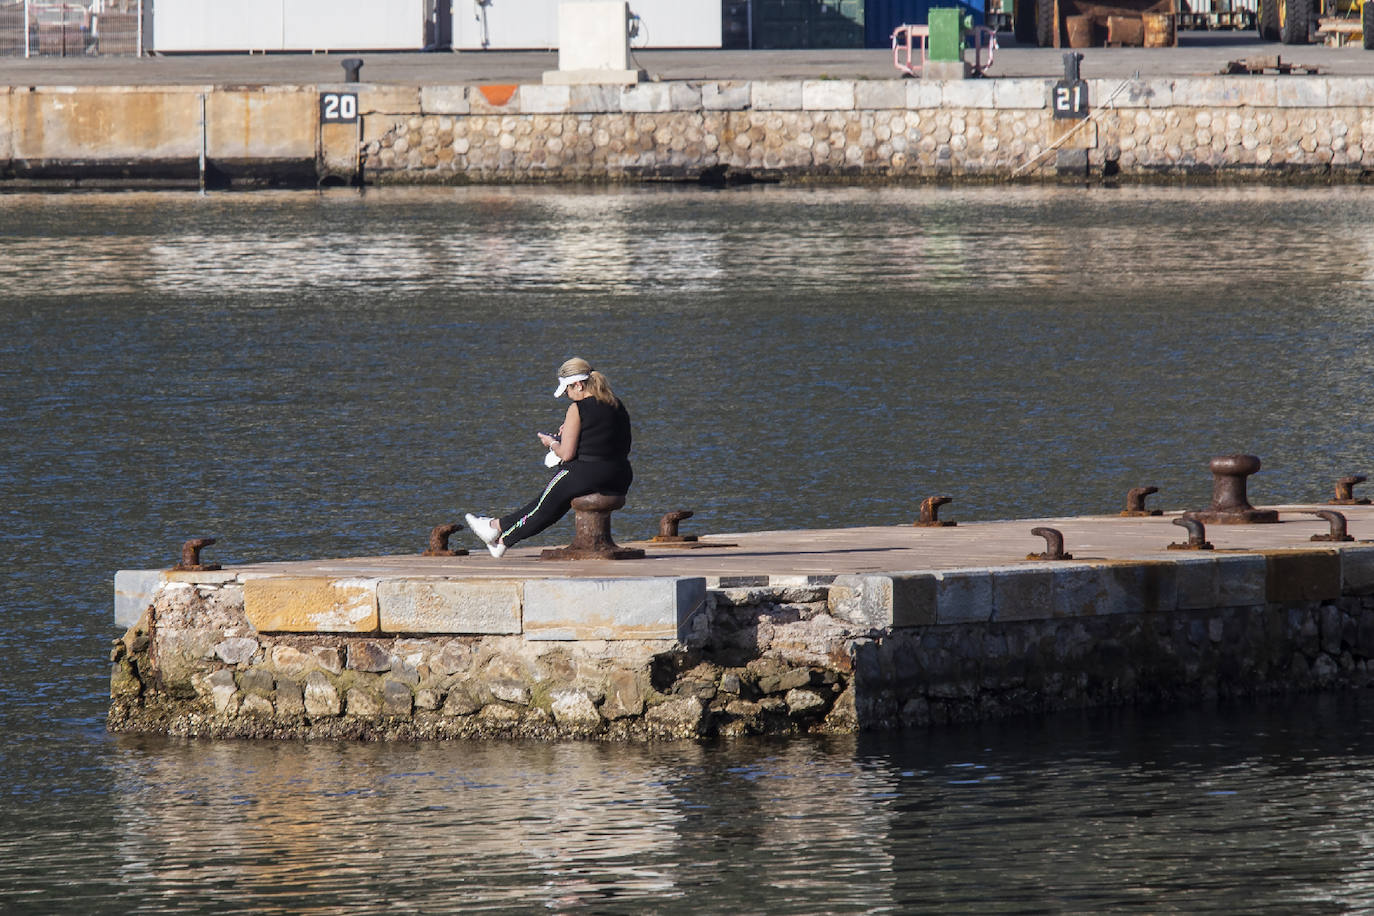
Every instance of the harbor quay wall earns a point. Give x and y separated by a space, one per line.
238 655
1244 128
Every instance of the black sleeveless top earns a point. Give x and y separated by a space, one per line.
605 432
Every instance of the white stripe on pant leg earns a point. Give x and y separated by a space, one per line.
543 496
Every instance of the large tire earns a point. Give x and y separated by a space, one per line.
1023 22
1295 19
1267 20
1045 24
1367 24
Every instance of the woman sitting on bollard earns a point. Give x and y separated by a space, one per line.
590 453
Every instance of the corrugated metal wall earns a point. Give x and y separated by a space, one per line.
882 16
765 24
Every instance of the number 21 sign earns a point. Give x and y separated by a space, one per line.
1069 99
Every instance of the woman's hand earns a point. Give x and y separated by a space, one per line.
566 447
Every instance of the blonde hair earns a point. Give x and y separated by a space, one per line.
596 384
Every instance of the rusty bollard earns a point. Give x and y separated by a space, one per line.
1345 492
438 542
190 556
667 528
1197 535
1337 522
1229 505
930 513
1054 545
1135 503
592 532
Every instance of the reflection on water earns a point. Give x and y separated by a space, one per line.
1259 808
306 375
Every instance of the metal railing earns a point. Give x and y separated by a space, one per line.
61 28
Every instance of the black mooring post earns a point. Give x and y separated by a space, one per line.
351 66
1071 62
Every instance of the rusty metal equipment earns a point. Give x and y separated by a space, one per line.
930 513
1229 504
1084 23
1257 65
592 532
1054 545
190 556
1197 535
1337 522
1135 503
1345 492
667 528
438 542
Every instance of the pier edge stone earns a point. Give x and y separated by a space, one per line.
775 95
545 99
1031 94
1350 92
726 95
594 99
461 606
1240 580
612 609
1022 593
1302 575
968 94
827 95
1357 570
963 596
444 100
880 601
133 592
879 95
311 604
646 98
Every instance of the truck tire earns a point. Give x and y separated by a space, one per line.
1023 22
1267 20
1045 25
1294 21
1367 24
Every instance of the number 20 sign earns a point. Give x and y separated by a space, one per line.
1070 99
338 107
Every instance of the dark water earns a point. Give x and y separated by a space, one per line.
306 376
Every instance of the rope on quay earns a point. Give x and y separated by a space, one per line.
1096 113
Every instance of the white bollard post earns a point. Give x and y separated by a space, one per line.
593 44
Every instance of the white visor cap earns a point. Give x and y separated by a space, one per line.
565 380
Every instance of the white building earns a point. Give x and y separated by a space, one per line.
409 25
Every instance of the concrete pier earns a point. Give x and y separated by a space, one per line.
750 633
458 119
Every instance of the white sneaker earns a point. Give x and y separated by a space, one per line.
497 549
484 527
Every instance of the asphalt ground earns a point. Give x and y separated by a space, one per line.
1197 54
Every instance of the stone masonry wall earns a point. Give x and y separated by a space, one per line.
863 652
1233 127
1245 128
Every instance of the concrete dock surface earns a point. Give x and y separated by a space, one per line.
794 557
1197 54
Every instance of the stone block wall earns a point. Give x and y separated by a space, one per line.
858 652
973 129
1253 128
194 664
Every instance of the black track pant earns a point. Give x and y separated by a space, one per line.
571 480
